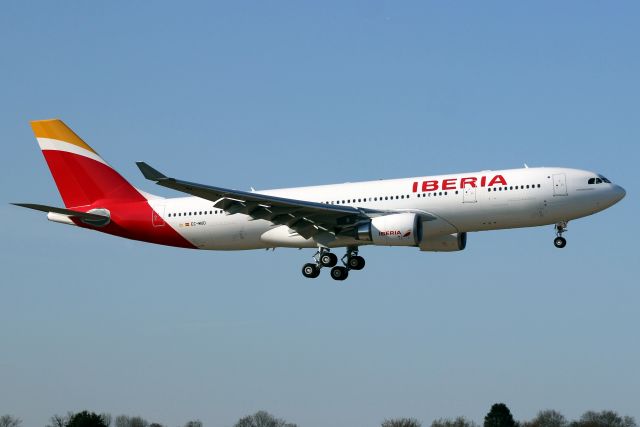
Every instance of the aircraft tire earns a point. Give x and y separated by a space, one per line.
356 262
560 242
328 259
339 273
310 271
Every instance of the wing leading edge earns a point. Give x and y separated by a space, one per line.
306 218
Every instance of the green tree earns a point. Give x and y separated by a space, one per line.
603 419
458 422
262 419
86 419
547 418
499 416
10 421
401 422
194 423
127 421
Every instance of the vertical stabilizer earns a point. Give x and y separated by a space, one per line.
81 175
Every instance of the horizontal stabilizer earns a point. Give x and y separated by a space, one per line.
90 218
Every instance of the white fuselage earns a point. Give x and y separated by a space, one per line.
462 202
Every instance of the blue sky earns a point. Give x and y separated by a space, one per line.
276 94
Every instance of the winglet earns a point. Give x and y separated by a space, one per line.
150 173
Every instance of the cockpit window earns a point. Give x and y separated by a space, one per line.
599 180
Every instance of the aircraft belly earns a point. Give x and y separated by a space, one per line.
497 214
232 232
239 233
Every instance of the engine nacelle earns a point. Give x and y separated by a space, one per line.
446 243
403 229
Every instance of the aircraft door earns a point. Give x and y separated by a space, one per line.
157 216
559 184
469 194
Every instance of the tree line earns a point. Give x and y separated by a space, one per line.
498 416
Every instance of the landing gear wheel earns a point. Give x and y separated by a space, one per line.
328 259
339 273
355 262
560 242
310 270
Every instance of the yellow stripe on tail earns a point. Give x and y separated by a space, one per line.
56 129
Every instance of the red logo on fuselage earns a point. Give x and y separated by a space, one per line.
394 233
455 183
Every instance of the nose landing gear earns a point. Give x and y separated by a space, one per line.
324 258
560 242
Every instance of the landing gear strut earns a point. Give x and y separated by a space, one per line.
324 258
559 241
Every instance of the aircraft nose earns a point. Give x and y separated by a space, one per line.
618 193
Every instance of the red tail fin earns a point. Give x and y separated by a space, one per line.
81 175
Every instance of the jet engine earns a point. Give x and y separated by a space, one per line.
402 229
407 229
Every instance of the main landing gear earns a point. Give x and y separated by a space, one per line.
324 258
559 241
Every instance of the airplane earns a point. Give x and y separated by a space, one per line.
431 213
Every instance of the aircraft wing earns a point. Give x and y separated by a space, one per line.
306 218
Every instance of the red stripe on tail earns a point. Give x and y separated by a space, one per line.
83 181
